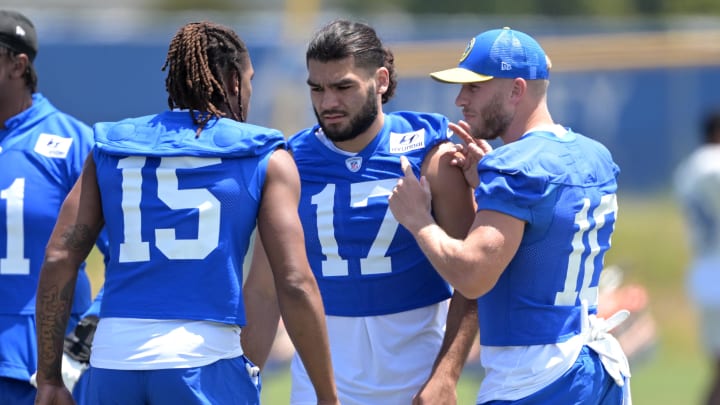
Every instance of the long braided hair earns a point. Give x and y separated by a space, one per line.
201 57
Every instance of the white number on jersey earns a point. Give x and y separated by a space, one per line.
569 295
14 262
376 262
134 249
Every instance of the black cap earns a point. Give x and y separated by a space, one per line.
17 33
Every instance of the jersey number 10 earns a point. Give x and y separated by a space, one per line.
571 290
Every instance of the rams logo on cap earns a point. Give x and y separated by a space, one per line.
467 50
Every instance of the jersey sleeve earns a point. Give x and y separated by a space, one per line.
509 188
435 126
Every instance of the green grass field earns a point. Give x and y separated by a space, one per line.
649 244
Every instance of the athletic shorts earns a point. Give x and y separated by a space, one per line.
585 383
223 382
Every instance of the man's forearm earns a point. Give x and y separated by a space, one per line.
52 311
460 333
444 253
262 316
304 319
262 313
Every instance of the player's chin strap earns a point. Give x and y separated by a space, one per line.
597 337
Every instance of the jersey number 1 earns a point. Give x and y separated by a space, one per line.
14 262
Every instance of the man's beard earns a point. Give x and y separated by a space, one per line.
358 124
495 121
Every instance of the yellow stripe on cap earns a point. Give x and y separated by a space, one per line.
459 75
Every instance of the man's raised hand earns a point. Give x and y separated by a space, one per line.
410 201
468 155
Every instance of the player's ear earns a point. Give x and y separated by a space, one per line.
518 90
382 79
19 64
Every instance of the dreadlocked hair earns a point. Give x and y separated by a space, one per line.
341 38
201 56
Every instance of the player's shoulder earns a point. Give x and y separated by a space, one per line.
547 158
432 128
59 122
236 136
125 129
703 159
534 156
244 127
595 151
302 137
592 145
416 119
701 165
173 133
80 127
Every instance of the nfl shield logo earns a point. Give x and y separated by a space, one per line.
354 163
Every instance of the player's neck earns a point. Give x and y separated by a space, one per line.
13 104
524 122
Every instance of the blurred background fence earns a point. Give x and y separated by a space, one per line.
639 85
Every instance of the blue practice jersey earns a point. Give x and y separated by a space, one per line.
42 151
564 189
179 212
365 262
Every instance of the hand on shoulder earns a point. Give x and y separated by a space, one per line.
469 153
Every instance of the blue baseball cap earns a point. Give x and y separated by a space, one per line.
500 53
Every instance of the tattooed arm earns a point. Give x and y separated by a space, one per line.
76 230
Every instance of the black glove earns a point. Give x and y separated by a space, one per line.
78 342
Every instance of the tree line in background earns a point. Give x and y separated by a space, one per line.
607 8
